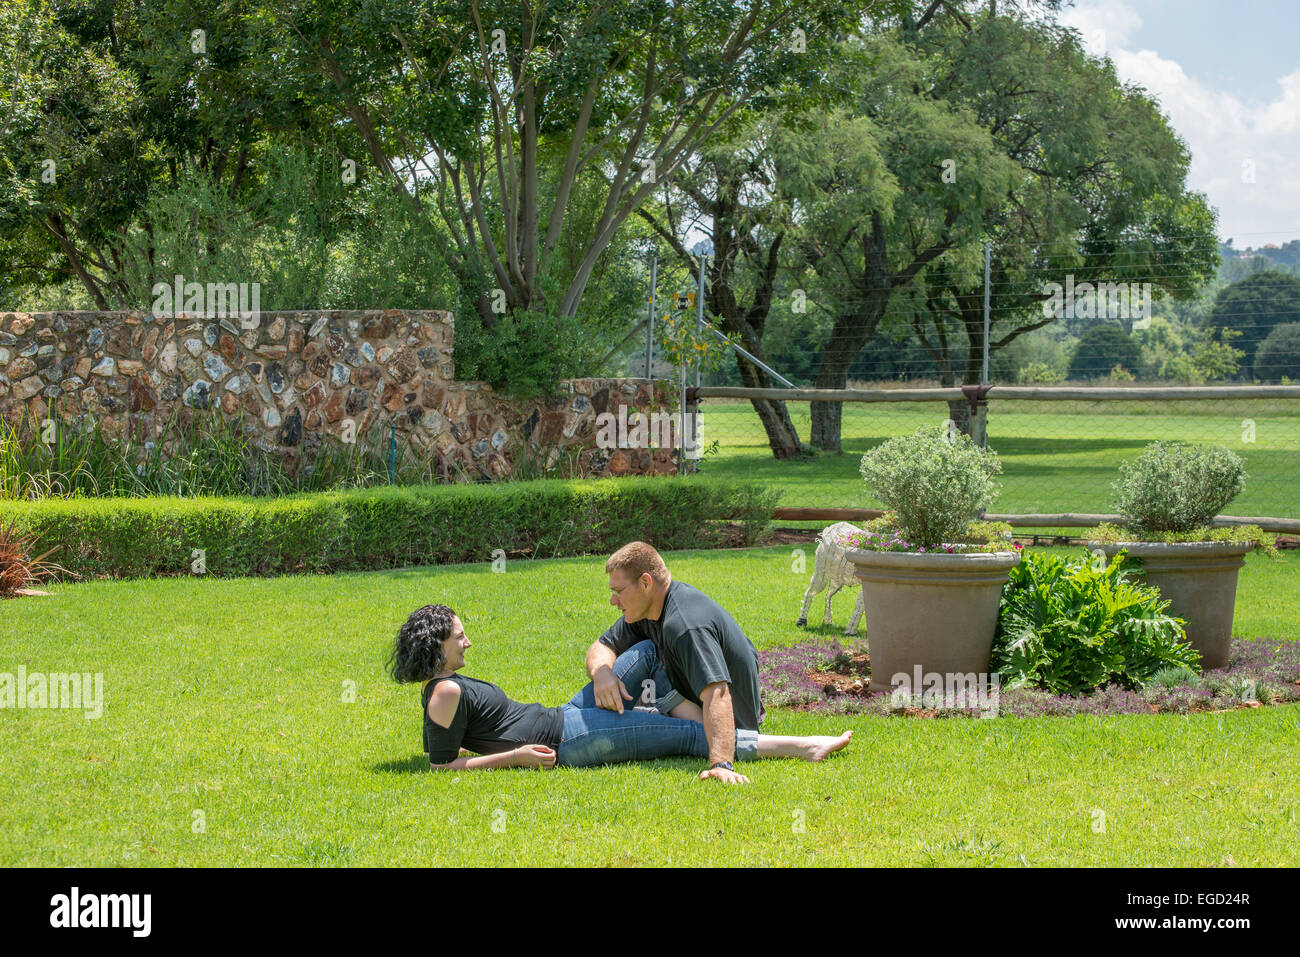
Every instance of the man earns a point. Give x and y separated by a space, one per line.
710 666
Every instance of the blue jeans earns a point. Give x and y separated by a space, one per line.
644 677
595 735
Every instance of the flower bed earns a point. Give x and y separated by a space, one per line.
820 676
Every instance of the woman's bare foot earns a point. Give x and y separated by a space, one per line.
817 747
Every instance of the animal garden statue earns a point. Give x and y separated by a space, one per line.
830 567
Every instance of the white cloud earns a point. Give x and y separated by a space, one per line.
1105 24
1283 116
1244 156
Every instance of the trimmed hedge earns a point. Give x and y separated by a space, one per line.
387 527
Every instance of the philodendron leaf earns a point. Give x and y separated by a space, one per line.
1071 627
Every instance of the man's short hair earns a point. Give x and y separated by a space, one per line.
635 559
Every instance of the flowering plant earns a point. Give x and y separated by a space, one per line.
681 344
883 535
894 542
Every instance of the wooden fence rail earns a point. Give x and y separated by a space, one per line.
1036 393
1062 520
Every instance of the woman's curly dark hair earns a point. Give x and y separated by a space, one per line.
418 653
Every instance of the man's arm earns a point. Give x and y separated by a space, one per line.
704 666
720 729
608 690
599 655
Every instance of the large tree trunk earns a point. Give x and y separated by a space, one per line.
972 318
782 436
729 237
849 334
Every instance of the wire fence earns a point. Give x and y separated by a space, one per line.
1090 352
1058 456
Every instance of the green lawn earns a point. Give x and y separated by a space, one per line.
227 697
1056 457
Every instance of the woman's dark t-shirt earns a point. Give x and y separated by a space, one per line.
487 722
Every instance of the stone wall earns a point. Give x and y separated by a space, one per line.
297 377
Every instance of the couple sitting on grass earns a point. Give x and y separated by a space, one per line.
695 671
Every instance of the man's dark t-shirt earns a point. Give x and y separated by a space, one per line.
487 722
699 643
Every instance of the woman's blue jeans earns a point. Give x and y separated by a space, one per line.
595 735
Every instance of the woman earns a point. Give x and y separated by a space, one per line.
459 710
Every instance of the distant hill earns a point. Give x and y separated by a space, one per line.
1286 255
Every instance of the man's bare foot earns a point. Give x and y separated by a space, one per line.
817 747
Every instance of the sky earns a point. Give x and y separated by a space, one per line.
1227 75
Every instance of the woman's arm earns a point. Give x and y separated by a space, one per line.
444 706
525 756
503 759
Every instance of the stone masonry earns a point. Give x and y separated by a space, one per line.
297 376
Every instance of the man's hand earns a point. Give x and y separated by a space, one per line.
534 756
607 689
725 776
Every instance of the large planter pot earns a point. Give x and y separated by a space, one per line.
1200 581
936 610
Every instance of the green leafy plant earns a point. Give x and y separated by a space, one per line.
528 351
1253 535
392 526
1177 486
934 481
1074 626
1035 372
681 344
1175 676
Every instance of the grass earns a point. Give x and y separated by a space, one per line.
227 739
1056 457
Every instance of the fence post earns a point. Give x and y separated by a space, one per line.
703 249
650 336
681 417
979 420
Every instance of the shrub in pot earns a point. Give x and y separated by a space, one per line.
930 592
1074 626
1166 499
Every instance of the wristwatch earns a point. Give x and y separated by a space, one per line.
722 764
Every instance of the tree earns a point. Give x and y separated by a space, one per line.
466 99
1279 355
1102 348
111 101
729 191
874 200
1254 306
1085 205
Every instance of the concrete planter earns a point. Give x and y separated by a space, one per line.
1200 581
936 610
